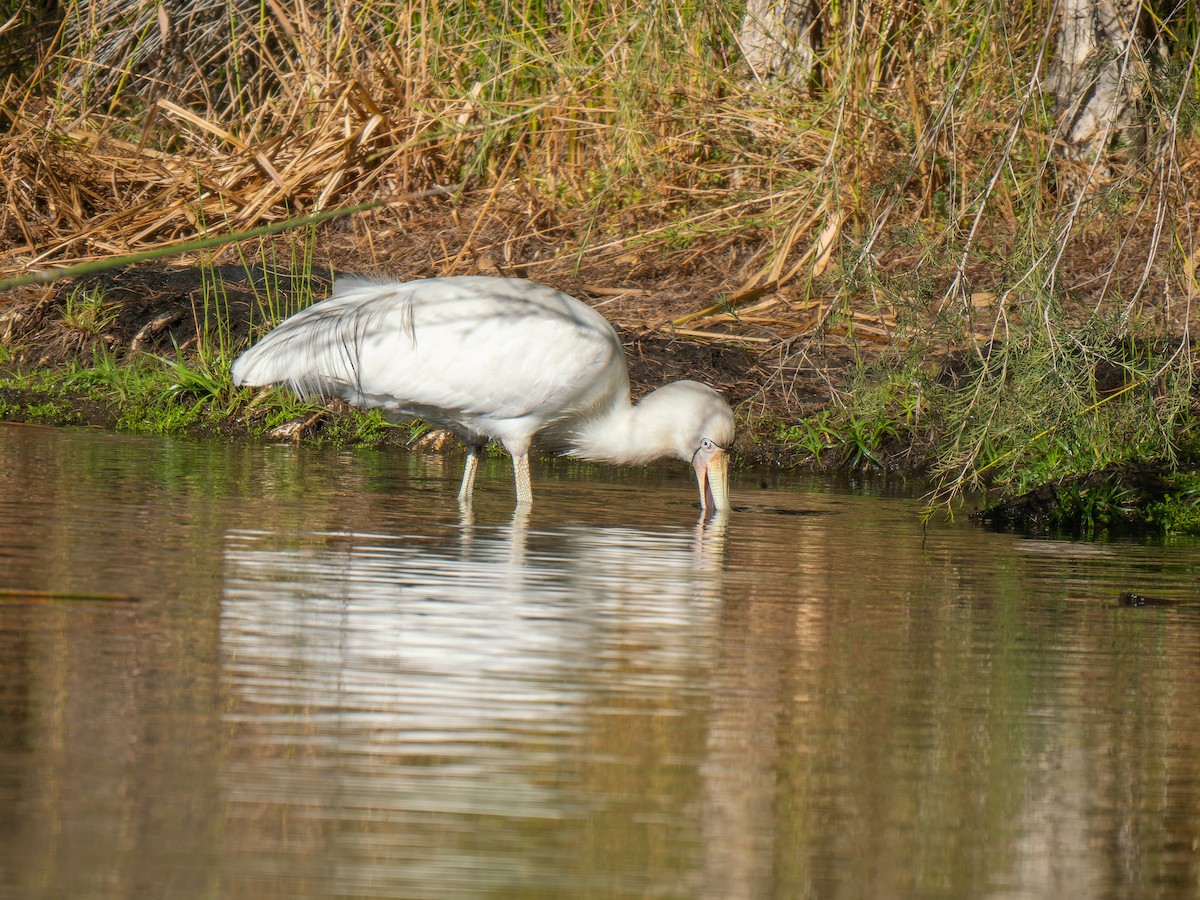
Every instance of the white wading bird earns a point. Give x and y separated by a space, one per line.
494 358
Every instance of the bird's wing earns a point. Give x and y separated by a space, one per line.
472 347
317 351
513 350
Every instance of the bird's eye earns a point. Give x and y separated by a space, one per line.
706 444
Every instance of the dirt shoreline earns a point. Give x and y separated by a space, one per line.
160 309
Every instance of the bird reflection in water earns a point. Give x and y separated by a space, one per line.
449 676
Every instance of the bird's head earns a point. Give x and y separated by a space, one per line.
696 423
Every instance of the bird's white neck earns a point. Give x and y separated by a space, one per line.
624 433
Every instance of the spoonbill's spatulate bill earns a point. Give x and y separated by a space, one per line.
495 358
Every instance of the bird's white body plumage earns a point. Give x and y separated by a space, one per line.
450 350
485 358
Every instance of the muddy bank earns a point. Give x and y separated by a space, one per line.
1126 499
169 311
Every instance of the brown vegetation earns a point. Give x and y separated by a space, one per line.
903 204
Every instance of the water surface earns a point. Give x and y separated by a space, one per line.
329 682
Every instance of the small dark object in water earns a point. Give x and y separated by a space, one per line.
1128 598
20 595
777 511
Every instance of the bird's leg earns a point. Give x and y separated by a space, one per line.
524 486
467 488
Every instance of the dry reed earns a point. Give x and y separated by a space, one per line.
627 126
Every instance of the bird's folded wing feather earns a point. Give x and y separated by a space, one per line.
496 355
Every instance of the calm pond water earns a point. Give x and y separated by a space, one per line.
328 684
